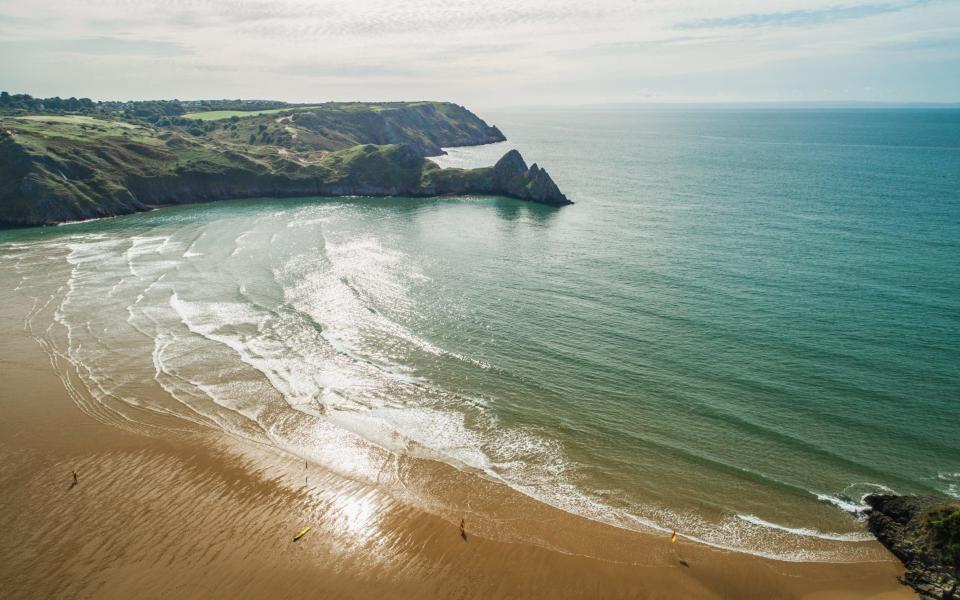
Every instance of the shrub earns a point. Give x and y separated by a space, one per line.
944 526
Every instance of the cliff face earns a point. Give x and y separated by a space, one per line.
924 533
512 176
56 169
47 188
427 127
508 177
51 187
393 170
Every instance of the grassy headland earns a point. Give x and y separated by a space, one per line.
216 115
104 160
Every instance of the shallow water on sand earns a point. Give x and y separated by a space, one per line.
746 322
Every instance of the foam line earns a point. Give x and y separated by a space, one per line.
807 532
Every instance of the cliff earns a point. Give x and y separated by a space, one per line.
427 127
924 533
64 168
510 176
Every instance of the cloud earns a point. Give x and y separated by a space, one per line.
411 18
627 48
932 40
97 46
319 70
797 18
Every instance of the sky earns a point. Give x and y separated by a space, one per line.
485 53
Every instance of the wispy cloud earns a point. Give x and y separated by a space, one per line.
343 71
628 48
402 19
937 39
800 17
97 46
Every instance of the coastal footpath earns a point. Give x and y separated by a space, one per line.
924 533
70 167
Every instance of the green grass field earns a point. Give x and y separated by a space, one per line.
216 115
77 120
77 127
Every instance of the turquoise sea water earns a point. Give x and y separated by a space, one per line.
747 321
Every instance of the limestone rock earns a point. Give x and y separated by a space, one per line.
903 525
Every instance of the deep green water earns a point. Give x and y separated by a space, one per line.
747 321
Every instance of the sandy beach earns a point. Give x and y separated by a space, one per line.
176 510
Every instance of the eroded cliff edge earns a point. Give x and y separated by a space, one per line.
66 168
924 533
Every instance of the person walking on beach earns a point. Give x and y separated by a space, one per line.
463 532
75 480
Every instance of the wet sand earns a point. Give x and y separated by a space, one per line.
180 511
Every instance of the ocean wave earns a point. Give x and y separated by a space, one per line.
843 503
952 483
733 534
807 532
851 498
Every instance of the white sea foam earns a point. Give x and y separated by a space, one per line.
851 498
844 504
143 245
950 483
808 532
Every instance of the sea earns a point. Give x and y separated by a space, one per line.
748 320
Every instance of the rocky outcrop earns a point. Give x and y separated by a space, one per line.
924 533
43 189
517 181
508 177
